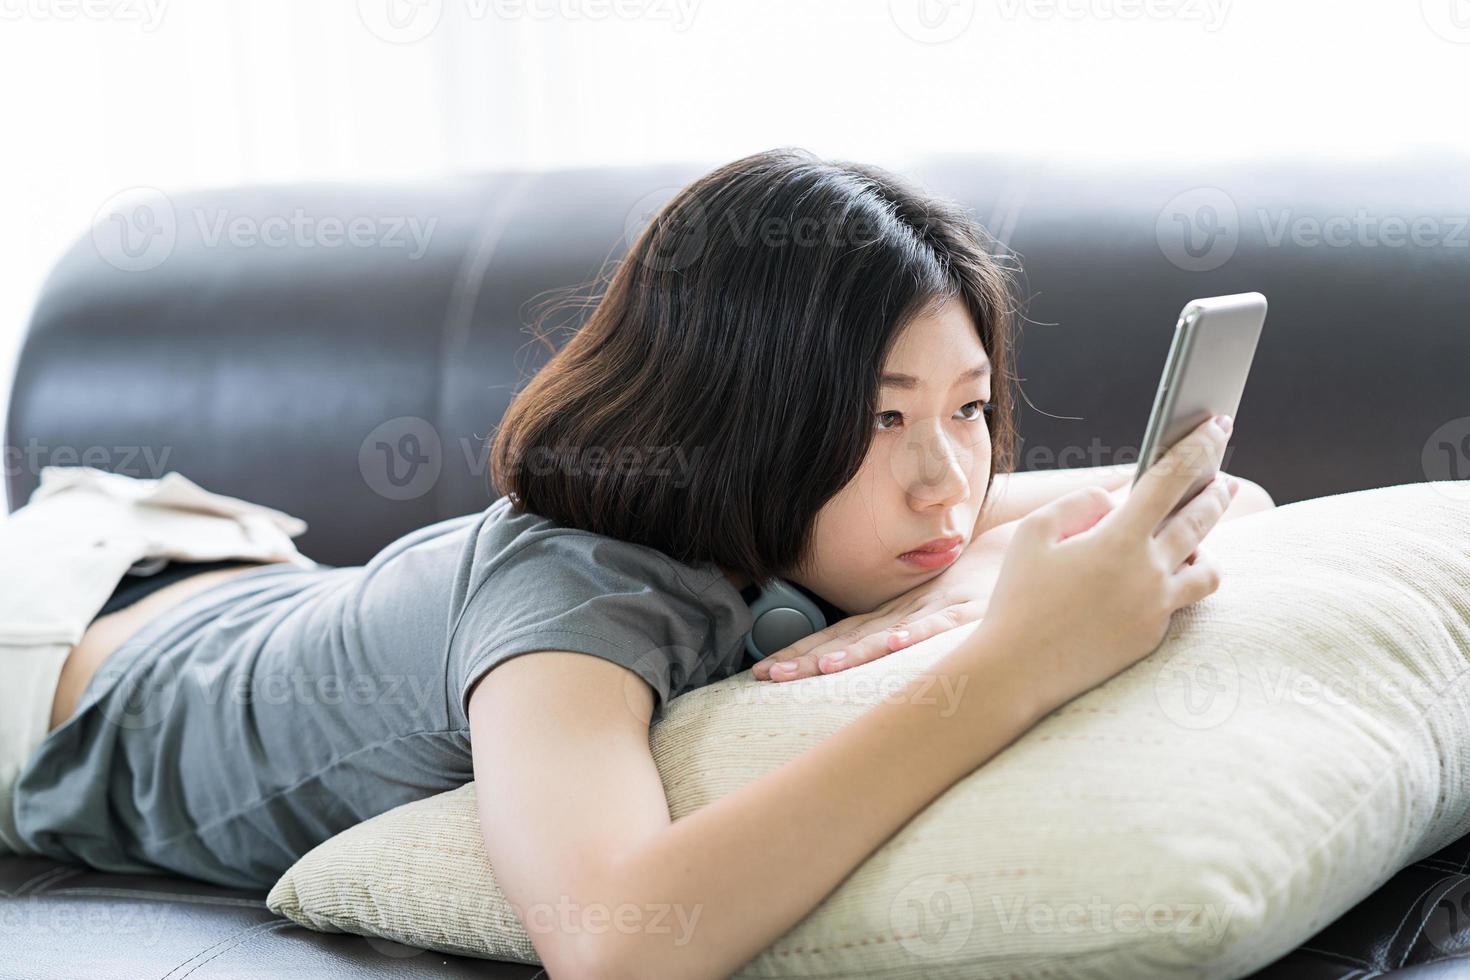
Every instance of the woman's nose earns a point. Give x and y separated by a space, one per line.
937 467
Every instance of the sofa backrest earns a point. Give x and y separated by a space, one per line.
342 352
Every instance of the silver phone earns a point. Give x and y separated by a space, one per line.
1209 359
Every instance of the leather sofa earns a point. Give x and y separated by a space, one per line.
267 351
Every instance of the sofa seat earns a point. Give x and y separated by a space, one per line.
60 921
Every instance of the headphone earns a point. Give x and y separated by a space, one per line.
781 615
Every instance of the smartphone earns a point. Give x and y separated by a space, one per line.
1204 375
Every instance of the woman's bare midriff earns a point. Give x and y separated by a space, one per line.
109 632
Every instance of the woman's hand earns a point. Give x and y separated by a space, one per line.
1089 584
1247 497
902 621
958 595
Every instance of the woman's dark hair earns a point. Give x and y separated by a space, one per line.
746 329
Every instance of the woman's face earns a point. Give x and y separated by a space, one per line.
924 477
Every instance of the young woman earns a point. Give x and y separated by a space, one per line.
831 349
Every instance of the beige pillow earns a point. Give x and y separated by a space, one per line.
1298 737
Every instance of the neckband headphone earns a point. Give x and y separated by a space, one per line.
781 613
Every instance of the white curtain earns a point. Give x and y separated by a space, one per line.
99 96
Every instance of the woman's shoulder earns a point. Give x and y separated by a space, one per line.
530 584
522 539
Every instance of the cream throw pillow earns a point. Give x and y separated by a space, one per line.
1298 737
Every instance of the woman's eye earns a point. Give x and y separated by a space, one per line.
971 411
881 417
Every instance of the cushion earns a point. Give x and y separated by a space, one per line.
1296 738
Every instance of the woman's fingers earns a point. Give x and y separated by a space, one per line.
833 637
858 650
861 638
1196 580
1071 513
872 642
920 629
1166 481
1181 534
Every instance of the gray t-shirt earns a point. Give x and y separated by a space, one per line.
263 715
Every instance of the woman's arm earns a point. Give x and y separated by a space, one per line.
1014 495
576 823
1018 494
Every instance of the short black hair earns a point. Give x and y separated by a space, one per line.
723 386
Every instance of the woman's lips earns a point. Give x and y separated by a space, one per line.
928 557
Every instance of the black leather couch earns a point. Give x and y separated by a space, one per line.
256 346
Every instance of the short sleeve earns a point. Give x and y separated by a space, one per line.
583 593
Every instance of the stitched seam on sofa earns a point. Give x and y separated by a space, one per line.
1335 955
331 764
1439 864
44 880
1418 899
1424 920
274 926
238 938
139 893
28 884
213 945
